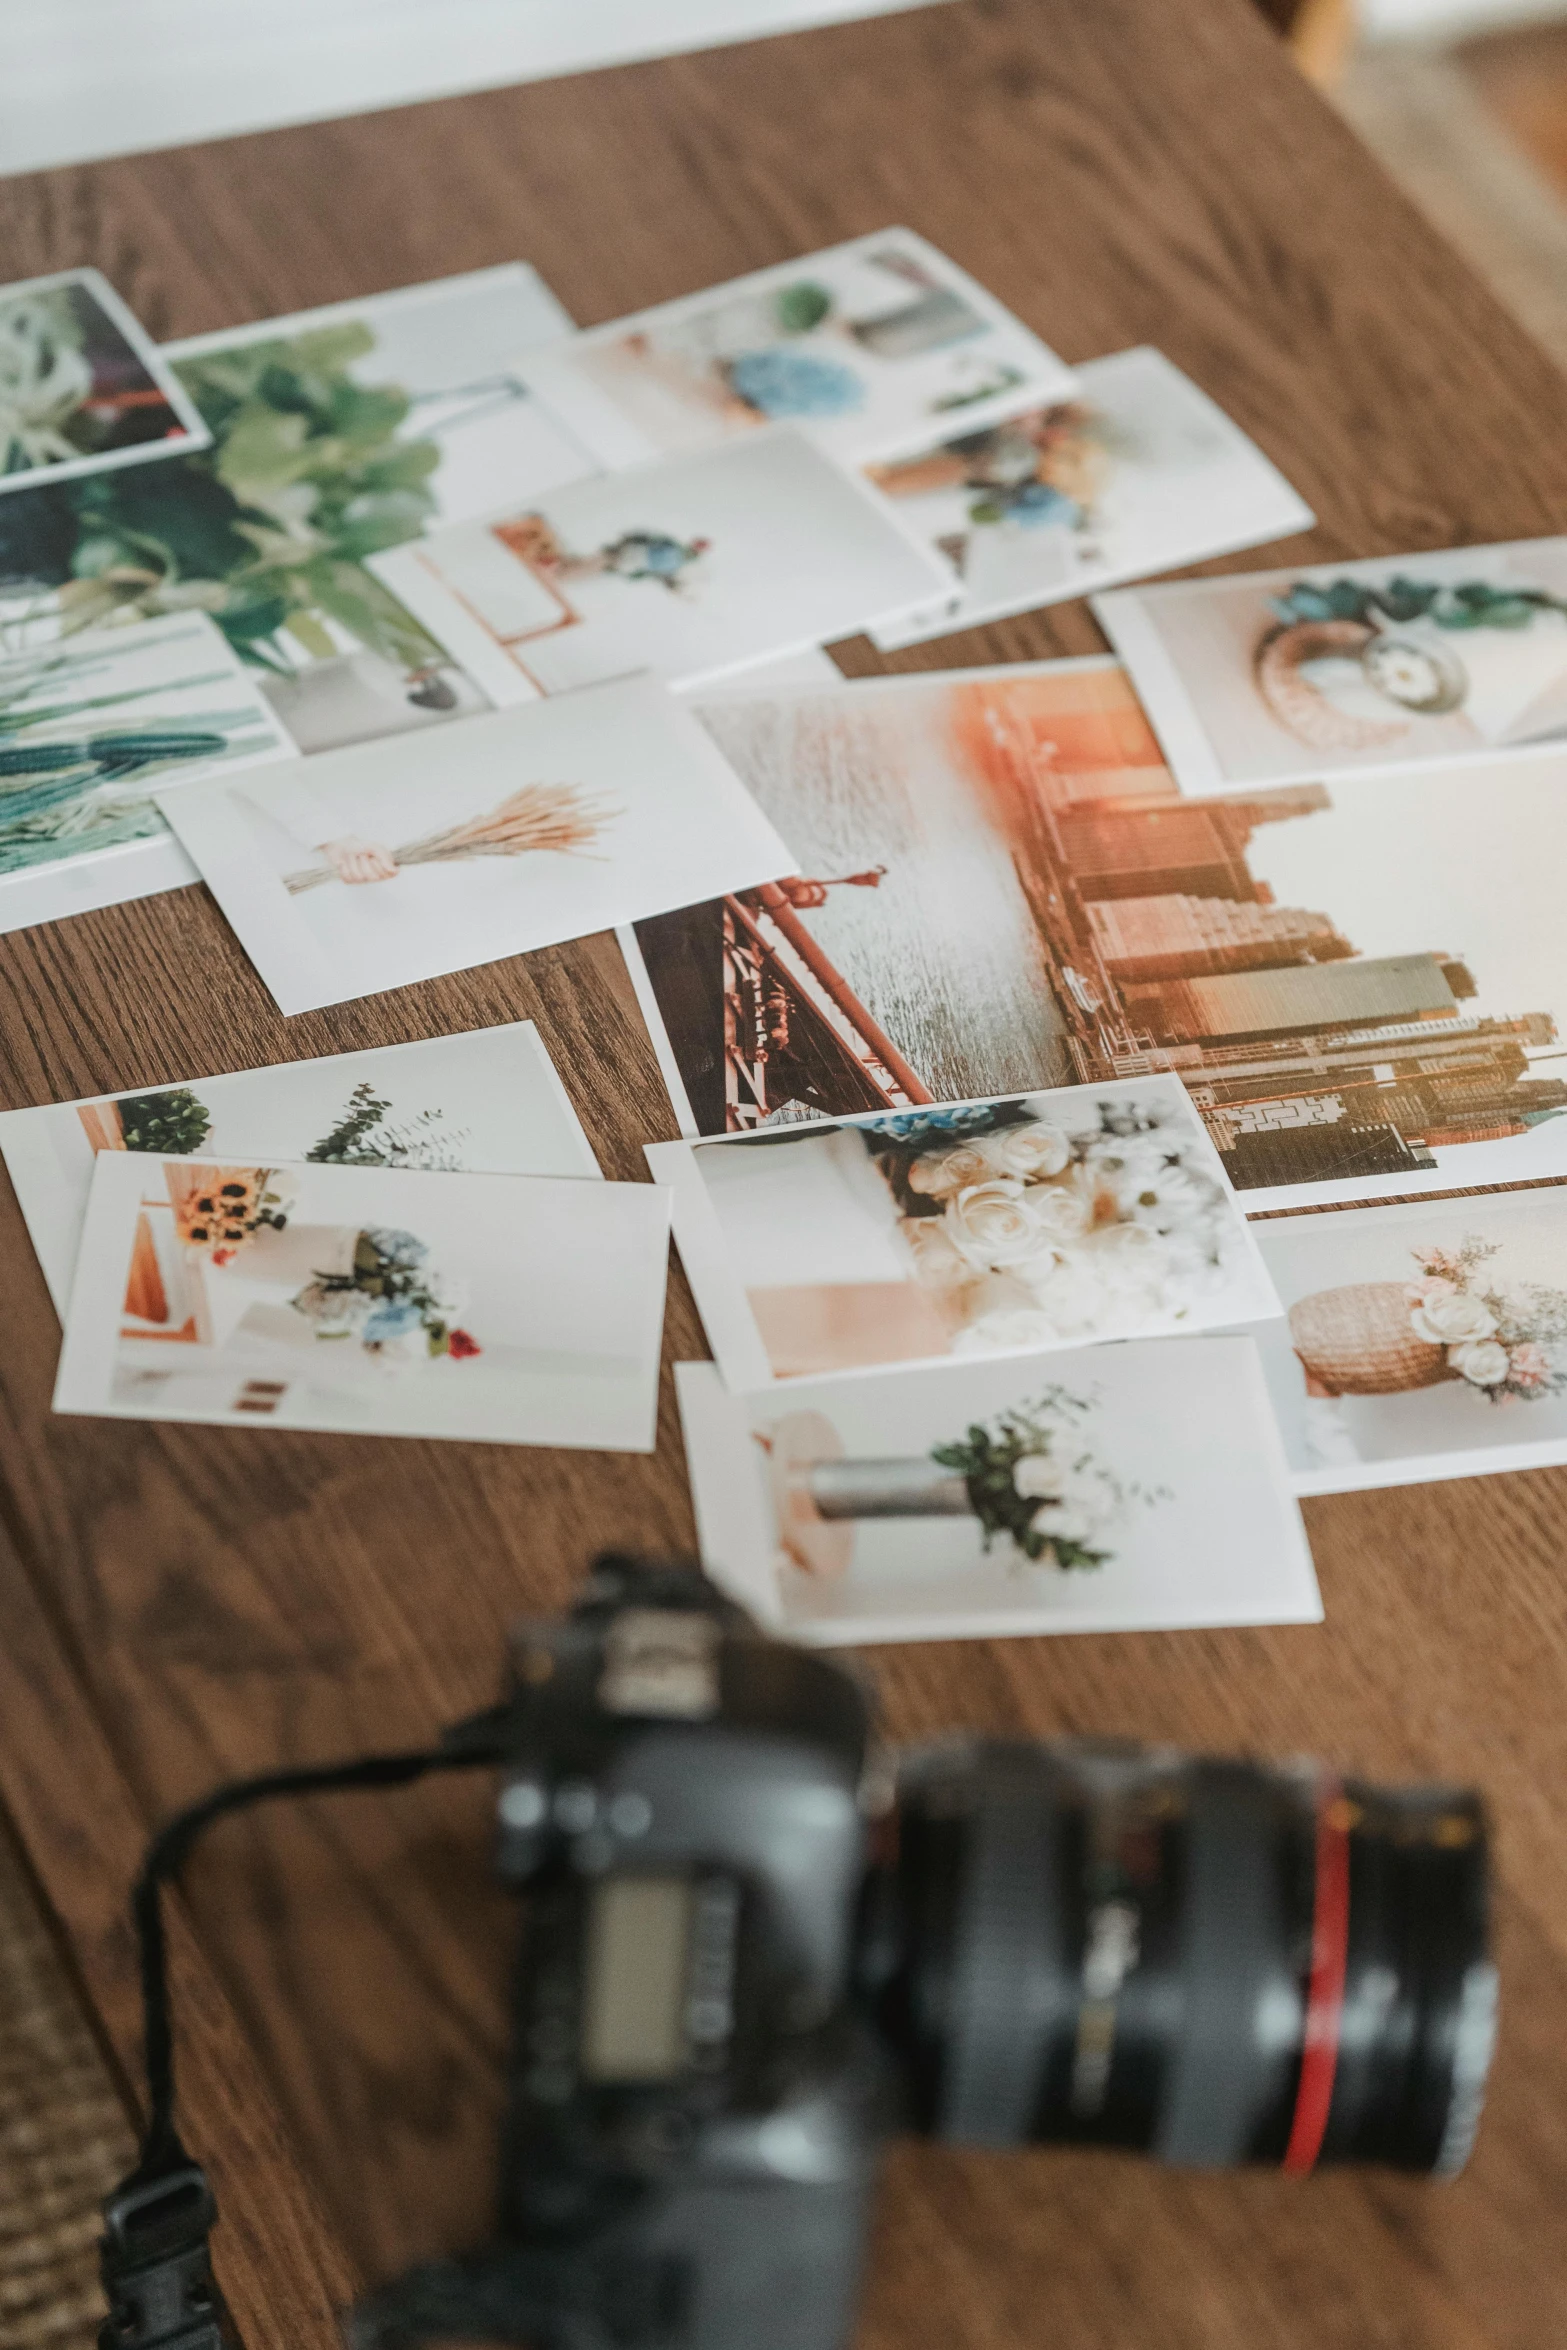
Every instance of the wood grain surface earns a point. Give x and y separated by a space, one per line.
181 1603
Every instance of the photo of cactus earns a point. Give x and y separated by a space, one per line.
89 727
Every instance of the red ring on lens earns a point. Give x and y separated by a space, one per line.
1325 1987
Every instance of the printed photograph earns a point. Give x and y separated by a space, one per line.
333 434
690 568
1363 986
1140 472
1001 1227
1403 661
89 727
865 346
503 1309
375 867
489 1102
1420 1342
1120 1489
82 388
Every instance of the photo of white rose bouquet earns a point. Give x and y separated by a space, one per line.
1017 1224
1500 1341
1029 1475
1085 1222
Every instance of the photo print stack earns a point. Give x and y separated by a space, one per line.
1119 1096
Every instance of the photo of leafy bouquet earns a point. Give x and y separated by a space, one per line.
170 1124
392 1302
1032 1481
266 530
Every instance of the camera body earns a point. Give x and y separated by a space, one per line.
696 2092
753 1948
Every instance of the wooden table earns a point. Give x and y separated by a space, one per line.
177 1604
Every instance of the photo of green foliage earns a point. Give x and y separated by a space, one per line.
266 530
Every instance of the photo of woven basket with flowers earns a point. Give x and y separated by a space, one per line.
1388 1337
1412 1335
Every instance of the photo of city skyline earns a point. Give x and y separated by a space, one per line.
1362 988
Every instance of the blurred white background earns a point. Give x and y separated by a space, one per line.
87 78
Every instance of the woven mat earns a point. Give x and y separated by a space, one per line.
63 2135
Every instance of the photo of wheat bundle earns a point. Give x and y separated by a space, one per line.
558 816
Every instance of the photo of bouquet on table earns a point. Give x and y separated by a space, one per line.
1362 984
1127 1488
503 1309
488 1102
1421 1341
995 1227
866 346
1139 472
691 567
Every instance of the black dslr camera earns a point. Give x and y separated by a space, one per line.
754 1945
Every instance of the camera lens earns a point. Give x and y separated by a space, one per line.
1209 1962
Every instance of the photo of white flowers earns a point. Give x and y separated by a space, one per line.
1005 1226
1112 1489
373 867
82 388
692 567
504 1309
864 345
1408 662
489 1102
1424 1340
1137 472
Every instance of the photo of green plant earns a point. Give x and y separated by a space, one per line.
88 725
327 446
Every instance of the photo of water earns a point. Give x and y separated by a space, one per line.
943 950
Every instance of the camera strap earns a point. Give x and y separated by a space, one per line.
154 2253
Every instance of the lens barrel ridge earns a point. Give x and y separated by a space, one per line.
1211 1962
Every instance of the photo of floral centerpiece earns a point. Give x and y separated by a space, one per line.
390 1300
1029 1477
1119 1488
204 1292
1412 1332
1139 472
1005 1226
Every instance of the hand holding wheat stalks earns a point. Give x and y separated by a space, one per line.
556 816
